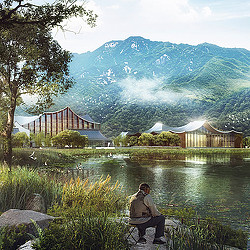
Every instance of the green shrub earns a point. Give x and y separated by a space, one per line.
186 238
210 230
11 238
85 217
18 185
88 231
70 138
100 195
20 139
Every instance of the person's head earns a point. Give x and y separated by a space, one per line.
145 187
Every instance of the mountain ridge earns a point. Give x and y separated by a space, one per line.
129 84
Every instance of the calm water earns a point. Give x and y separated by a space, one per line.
217 186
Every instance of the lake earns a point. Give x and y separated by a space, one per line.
214 185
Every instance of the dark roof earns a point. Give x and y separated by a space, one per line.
88 118
93 135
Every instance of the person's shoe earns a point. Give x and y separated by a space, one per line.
159 241
142 240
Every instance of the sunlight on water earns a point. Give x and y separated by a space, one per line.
217 186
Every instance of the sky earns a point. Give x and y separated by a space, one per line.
225 23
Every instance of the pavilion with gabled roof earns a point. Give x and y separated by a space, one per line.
199 134
52 123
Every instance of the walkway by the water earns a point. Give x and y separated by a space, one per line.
150 232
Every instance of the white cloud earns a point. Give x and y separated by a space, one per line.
147 91
206 11
174 11
178 21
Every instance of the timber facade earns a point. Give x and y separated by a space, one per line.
52 123
201 134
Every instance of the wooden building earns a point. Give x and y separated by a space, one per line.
52 123
201 134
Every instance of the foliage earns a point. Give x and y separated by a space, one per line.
23 13
70 138
20 139
31 61
12 237
246 141
39 139
133 141
99 196
209 231
18 185
187 238
121 141
48 140
167 139
88 231
146 139
86 222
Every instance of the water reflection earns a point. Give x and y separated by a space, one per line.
215 185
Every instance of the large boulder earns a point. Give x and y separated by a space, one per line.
15 217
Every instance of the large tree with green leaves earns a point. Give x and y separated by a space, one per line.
31 61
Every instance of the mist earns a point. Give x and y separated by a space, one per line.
149 91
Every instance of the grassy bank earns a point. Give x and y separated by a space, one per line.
63 157
17 186
87 211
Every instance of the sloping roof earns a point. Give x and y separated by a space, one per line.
18 128
93 135
192 126
88 118
25 119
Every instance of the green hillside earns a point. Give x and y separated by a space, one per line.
131 84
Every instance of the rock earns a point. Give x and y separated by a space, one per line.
26 246
36 203
15 217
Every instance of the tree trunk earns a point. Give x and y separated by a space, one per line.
7 150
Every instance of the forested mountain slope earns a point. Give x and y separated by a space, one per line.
131 84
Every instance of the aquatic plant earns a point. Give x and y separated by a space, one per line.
98 196
17 186
88 231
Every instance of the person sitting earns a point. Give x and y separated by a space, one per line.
143 213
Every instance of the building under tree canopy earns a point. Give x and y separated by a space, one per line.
201 134
52 123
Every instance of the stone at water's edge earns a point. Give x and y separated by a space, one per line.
26 246
15 217
36 203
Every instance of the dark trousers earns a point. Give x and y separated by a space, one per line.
158 221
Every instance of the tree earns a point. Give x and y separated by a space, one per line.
167 139
31 61
70 138
39 139
246 142
20 139
22 12
133 141
146 139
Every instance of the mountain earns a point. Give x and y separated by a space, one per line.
131 84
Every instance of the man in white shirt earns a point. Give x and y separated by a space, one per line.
144 214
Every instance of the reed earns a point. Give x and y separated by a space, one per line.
18 185
98 196
88 231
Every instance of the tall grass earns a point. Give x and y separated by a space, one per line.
99 196
200 232
18 185
186 238
87 217
88 231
